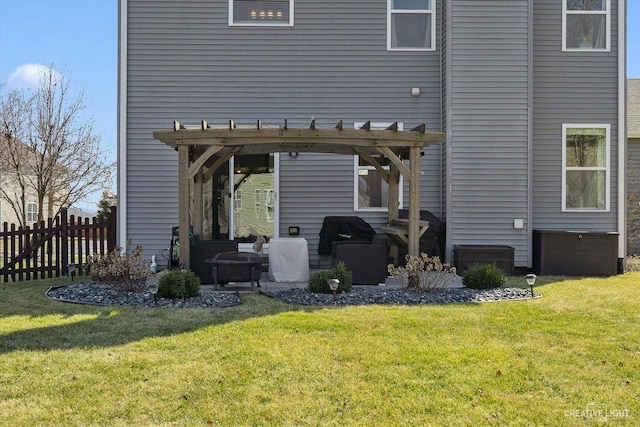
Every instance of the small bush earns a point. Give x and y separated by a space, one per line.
423 273
179 284
484 276
121 270
318 281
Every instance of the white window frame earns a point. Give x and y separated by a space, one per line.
606 12
356 173
264 22
606 168
431 12
32 212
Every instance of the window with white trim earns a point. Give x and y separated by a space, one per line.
371 191
267 13
32 212
585 162
586 25
411 24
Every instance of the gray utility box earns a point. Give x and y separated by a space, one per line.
575 253
464 256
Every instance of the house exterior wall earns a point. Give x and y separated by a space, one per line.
498 83
633 165
633 191
570 87
185 63
487 123
9 183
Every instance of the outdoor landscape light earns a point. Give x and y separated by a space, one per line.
72 269
531 280
333 285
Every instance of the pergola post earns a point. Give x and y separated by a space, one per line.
414 202
198 211
394 192
183 204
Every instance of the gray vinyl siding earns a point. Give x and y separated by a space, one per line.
569 87
633 180
487 122
185 63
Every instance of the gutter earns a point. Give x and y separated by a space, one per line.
622 138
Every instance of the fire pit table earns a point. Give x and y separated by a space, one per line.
236 267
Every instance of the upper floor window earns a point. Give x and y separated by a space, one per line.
253 12
32 212
371 190
586 25
411 25
585 159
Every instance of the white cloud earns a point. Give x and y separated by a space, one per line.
28 76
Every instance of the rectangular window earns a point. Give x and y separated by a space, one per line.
586 25
411 25
32 212
268 13
585 159
371 191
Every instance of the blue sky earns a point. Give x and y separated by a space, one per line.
79 37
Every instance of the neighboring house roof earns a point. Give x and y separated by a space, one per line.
633 108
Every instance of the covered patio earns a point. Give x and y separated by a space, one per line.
204 149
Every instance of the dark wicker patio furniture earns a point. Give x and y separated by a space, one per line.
236 267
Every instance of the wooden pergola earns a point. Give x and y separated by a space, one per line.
203 149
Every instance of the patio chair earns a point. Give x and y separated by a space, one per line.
366 262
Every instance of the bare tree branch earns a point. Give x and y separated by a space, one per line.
49 152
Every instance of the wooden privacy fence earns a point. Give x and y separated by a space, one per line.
46 250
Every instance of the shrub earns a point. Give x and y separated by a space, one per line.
632 263
423 273
484 276
318 281
121 270
179 284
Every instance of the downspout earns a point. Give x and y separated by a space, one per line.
121 236
530 90
442 122
622 135
449 121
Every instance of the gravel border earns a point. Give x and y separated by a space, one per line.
100 294
367 295
103 295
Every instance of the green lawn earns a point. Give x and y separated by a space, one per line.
569 358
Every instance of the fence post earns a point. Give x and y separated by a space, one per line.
5 250
112 221
64 242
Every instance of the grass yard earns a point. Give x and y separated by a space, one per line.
570 358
